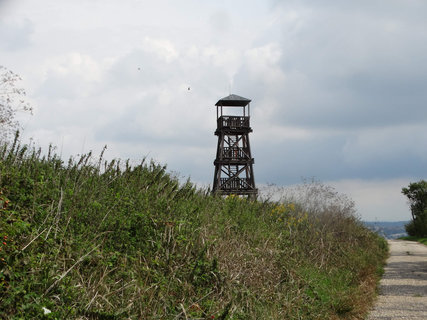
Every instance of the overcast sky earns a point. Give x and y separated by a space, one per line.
338 88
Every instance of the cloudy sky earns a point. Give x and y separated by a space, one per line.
338 88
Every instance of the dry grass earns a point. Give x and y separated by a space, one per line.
114 241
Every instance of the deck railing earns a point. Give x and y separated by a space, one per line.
235 153
233 122
235 184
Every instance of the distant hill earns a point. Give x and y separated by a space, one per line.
387 229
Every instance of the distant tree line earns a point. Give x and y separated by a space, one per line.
417 197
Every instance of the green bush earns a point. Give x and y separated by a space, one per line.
106 240
417 196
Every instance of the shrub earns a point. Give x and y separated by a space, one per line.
107 240
417 197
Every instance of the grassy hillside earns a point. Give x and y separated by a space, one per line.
90 239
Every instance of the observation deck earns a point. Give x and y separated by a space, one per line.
234 123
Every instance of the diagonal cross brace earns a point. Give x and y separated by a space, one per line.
235 175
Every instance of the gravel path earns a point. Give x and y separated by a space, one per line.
403 288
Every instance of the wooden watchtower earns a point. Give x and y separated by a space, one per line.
234 163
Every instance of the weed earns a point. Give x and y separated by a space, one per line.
106 240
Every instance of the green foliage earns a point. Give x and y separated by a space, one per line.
414 238
106 240
417 196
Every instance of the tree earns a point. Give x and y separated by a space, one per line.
12 100
417 198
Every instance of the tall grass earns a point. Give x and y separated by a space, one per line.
92 239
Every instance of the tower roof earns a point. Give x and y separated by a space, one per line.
233 100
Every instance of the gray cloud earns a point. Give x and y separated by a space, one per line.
353 75
336 157
348 65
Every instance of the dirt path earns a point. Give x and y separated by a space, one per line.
403 288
